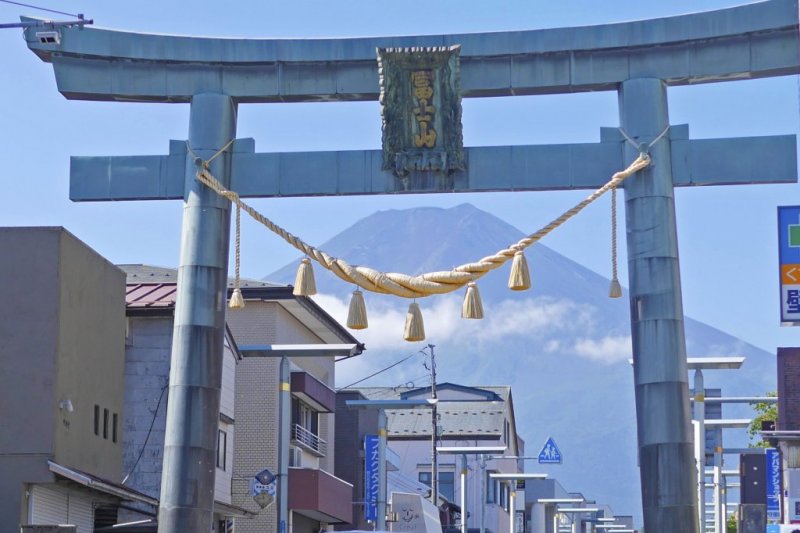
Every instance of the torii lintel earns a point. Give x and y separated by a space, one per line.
750 41
769 159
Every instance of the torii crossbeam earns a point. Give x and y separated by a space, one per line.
639 60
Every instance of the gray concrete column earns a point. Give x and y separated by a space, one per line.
666 451
463 491
284 435
482 507
195 378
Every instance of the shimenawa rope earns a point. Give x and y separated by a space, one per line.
404 285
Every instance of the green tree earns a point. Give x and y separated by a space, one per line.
731 526
764 411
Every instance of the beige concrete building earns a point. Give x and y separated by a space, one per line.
62 331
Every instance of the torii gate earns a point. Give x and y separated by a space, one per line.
639 60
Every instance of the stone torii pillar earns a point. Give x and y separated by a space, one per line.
666 438
195 377
640 60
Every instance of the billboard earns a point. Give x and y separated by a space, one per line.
789 263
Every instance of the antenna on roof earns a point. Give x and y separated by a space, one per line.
52 24
49 24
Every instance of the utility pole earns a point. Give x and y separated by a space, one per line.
434 433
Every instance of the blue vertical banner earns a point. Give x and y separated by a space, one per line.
371 477
774 485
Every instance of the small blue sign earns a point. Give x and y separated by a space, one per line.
263 488
774 491
550 453
371 477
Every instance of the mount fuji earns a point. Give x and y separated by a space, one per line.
562 346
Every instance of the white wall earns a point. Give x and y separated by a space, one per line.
56 504
226 406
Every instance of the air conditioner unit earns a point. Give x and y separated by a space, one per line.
48 37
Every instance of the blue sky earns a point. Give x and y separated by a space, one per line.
727 235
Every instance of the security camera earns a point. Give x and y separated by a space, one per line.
66 405
48 37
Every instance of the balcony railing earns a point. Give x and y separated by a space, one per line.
308 441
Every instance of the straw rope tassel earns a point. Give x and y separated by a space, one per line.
520 277
472 306
237 300
304 283
357 314
415 327
615 290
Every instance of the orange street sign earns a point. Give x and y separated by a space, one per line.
790 274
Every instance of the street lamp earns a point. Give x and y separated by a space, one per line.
381 406
463 451
698 364
513 478
285 351
718 477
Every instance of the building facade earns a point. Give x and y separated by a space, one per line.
317 498
468 417
84 371
150 310
62 353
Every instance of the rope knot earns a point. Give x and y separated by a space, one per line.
643 147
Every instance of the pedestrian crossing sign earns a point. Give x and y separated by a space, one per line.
550 453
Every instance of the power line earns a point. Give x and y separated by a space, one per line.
42 8
382 370
150 430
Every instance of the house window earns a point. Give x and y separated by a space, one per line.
105 423
503 490
446 488
114 427
491 487
222 449
305 416
305 428
97 420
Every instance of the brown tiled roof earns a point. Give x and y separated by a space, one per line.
151 295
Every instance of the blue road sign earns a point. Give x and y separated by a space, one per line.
550 453
371 477
789 260
774 489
